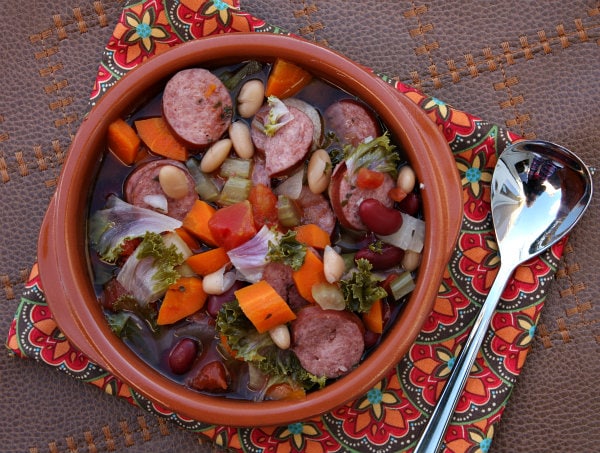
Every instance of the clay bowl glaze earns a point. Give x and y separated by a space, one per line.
64 262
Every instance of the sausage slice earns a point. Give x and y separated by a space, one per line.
197 107
327 342
351 122
346 197
316 209
288 146
143 182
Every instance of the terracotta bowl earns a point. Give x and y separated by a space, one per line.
64 263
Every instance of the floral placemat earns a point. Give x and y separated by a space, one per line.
391 415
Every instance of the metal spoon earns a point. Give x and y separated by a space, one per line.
539 192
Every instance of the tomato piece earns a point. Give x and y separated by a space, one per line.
233 225
264 205
397 194
369 179
286 79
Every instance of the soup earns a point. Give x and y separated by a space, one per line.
253 231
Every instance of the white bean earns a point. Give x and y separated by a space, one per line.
239 133
319 170
215 155
173 181
406 179
250 98
333 265
281 336
411 260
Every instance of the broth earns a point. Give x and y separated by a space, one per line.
154 343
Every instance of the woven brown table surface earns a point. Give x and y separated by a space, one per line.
533 67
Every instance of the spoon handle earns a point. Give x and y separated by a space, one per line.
432 436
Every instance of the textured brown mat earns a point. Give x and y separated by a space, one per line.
532 67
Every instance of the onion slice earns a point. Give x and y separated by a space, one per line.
250 258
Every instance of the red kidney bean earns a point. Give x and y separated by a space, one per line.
371 338
182 356
410 205
215 302
379 218
390 256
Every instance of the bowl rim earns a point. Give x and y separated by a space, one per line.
60 256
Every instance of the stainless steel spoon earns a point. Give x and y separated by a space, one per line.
539 192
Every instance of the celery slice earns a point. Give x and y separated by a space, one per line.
236 167
236 189
287 211
205 186
402 285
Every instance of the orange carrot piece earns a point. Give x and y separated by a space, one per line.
286 79
208 262
123 141
184 297
373 319
155 133
263 306
196 221
312 235
189 240
310 273
285 391
227 348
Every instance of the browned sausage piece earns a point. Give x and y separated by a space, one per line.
197 107
346 197
143 182
316 209
212 377
279 276
327 342
351 122
288 146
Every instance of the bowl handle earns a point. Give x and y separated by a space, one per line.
54 291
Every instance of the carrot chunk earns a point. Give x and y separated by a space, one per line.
208 262
310 273
196 221
286 79
263 306
373 319
190 240
123 142
312 235
157 136
184 297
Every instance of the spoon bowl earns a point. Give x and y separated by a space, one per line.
540 190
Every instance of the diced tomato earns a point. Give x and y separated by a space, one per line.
233 225
127 249
397 194
388 281
264 205
369 179
113 290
